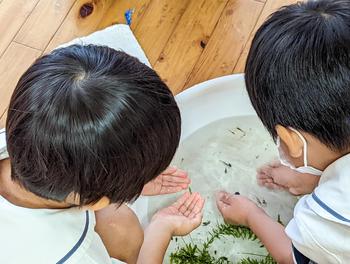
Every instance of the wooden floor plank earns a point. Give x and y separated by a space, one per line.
34 33
13 13
270 7
14 62
157 25
116 13
75 26
227 41
186 43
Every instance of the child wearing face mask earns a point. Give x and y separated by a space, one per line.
298 80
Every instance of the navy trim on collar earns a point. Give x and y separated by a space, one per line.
328 209
78 244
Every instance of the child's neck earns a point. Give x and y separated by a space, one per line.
17 195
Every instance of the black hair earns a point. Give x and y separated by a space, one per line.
91 121
298 71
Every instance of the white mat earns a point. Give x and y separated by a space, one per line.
118 37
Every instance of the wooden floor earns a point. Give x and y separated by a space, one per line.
186 41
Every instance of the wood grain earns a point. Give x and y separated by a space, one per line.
12 16
227 41
270 7
161 19
14 62
36 34
75 26
116 13
186 43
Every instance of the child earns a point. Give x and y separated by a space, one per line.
88 129
298 80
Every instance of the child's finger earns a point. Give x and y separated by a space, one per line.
170 189
221 205
174 178
170 170
181 200
192 205
186 203
275 164
178 173
224 197
171 184
198 208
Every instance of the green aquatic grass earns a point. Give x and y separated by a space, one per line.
191 253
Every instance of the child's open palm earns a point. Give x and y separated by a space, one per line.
183 216
172 180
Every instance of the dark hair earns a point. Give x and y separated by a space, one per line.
92 121
298 71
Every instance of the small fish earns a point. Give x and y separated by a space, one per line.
206 223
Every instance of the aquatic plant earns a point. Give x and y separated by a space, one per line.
191 253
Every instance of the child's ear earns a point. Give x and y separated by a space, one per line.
100 204
291 140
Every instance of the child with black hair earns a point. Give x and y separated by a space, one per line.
89 128
298 80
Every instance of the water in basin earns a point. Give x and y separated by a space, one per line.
224 155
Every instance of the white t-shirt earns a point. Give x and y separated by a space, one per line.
45 236
320 229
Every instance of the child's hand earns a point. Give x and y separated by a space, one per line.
274 175
235 209
172 180
183 216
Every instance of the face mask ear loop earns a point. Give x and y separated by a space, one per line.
304 144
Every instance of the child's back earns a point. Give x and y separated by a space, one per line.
298 80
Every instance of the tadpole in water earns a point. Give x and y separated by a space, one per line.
243 132
232 132
206 223
260 202
225 170
226 163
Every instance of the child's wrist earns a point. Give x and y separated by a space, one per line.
254 213
162 226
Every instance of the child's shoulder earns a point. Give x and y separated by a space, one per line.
53 235
3 150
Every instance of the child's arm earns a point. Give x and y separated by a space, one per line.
237 209
178 219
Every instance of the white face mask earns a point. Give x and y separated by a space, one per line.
284 161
